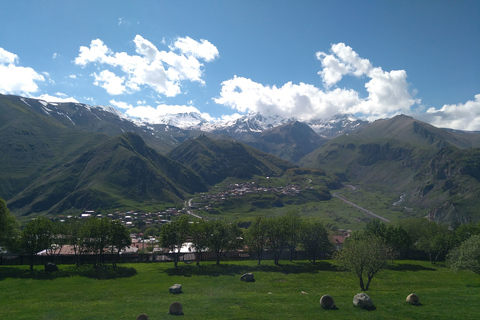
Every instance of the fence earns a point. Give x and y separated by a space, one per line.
15 259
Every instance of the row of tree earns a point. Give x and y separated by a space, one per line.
366 252
276 234
95 237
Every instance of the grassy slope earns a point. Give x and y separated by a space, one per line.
215 292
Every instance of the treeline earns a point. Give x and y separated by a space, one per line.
94 236
276 234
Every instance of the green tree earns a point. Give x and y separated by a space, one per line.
256 237
95 234
364 256
314 238
74 237
200 234
37 235
277 234
118 239
174 234
224 236
293 224
8 226
465 231
466 256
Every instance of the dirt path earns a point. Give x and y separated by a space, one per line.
370 213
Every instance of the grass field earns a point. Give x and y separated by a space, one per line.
215 292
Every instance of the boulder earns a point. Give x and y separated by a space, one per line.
327 302
247 277
413 299
142 316
176 308
362 300
51 267
176 289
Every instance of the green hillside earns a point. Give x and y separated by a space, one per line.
215 160
120 172
408 157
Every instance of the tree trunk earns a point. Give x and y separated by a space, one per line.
362 286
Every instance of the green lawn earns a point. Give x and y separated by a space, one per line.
215 292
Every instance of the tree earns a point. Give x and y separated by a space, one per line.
118 239
293 224
466 256
363 255
433 238
74 237
256 236
37 235
173 235
95 233
277 235
314 238
224 236
199 232
8 226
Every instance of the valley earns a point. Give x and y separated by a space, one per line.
64 158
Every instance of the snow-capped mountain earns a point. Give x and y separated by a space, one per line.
336 126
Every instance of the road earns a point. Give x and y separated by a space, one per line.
370 213
189 211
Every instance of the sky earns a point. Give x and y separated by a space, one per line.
302 59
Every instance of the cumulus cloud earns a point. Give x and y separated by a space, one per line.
162 71
15 79
303 101
388 91
456 116
110 82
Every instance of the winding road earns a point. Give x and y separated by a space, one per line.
370 213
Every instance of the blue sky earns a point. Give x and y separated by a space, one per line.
307 59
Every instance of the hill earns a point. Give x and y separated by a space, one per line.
215 160
408 157
119 172
290 141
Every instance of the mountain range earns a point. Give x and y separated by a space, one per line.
57 157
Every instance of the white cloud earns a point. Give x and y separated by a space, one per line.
16 79
303 101
456 116
53 99
388 92
110 82
201 50
8 57
162 71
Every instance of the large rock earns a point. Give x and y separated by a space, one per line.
247 277
176 308
51 267
327 302
413 299
176 289
362 300
142 316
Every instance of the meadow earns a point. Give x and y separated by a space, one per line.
289 291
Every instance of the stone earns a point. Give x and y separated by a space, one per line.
327 302
247 277
142 316
176 308
51 267
413 299
176 289
362 300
